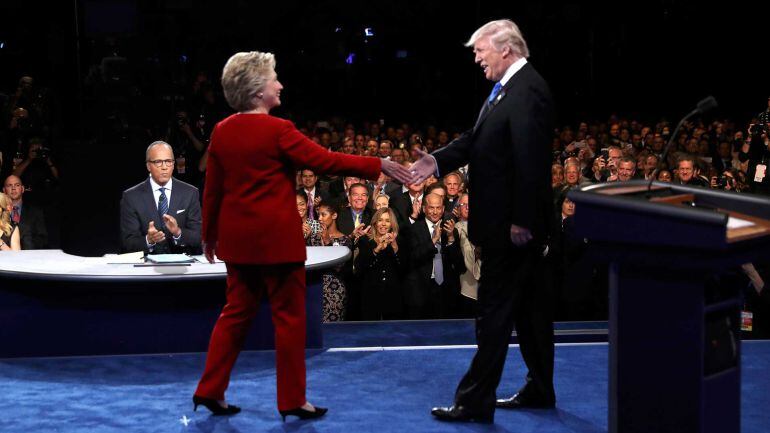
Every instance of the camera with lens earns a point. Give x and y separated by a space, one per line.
757 129
721 182
43 153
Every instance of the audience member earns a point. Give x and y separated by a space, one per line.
381 265
432 282
334 292
10 239
27 216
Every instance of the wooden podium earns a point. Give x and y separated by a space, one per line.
674 337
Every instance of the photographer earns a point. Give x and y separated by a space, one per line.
764 117
189 142
726 181
756 154
38 172
605 166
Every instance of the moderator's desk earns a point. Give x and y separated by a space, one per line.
56 304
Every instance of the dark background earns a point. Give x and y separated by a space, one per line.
643 60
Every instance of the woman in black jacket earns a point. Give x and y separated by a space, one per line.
381 262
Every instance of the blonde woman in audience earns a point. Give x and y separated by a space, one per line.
381 201
10 237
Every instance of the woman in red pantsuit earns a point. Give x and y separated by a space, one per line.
250 221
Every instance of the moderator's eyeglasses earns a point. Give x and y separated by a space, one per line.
159 162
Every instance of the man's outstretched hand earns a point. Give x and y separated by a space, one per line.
396 170
424 168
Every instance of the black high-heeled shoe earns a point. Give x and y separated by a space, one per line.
214 406
304 413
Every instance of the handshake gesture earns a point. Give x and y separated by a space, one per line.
418 172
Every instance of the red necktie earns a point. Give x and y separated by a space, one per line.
15 215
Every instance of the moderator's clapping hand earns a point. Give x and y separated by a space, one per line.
154 235
424 168
396 171
171 224
519 235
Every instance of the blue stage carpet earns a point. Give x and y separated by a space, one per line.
372 390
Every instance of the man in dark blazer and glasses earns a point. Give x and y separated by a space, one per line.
162 214
509 156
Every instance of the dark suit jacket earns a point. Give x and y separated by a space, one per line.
345 219
34 235
401 204
138 208
509 156
421 252
325 197
381 275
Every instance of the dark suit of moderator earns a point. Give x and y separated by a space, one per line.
509 156
425 298
138 207
34 235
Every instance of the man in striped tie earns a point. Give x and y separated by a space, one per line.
161 214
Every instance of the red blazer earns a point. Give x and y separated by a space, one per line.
249 205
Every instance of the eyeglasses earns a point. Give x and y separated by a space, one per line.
462 204
159 162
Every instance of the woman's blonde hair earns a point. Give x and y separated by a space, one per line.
376 217
381 195
245 75
5 216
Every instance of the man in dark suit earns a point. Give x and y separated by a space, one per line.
31 221
357 213
508 151
315 195
162 214
353 221
433 282
408 205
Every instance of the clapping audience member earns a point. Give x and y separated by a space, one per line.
432 282
469 280
27 216
380 264
10 239
314 194
334 291
311 228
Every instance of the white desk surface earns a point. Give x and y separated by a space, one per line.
56 264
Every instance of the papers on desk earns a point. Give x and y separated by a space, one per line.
169 258
128 258
737 223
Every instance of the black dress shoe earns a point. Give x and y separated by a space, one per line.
462 414
304 413
214 406
520 401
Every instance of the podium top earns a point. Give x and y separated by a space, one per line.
669 215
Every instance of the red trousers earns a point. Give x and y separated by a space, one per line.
284 286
